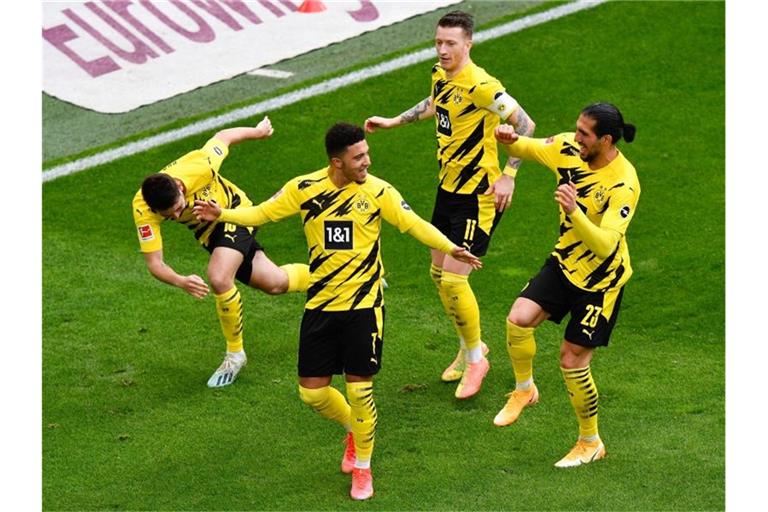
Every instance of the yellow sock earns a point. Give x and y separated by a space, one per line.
229 307
298 276
363 417
581 387
464 307
521 347
328 402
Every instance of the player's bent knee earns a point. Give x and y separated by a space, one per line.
220 282
272 283
525 313
275 288
520 321
574 356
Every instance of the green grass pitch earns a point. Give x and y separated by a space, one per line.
128 423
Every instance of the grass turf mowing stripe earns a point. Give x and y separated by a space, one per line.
305 93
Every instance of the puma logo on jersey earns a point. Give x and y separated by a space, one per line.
588 333
231 237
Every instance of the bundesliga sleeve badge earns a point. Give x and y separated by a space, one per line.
145 233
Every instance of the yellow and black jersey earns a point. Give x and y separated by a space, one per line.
467 111
343 228
199 171
607 196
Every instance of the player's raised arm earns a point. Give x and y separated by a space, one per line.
523 125
519 123
231 136
506 134
421 110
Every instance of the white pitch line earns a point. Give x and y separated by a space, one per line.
305 93
270 73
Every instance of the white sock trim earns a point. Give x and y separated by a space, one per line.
525 385
474 355
239 355
362 464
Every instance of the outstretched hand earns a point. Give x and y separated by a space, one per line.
463 255
206 210
374 122
506 134
265 128
195 286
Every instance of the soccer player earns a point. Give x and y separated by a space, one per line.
235 253
585 275
341 208
467 104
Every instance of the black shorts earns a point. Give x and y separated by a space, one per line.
593 314
336 342
468 220
240 239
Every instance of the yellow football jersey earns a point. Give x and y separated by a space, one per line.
343 230
199 171
608 196
466 149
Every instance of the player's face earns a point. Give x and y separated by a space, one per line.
354 162
175 211
590 145
452 46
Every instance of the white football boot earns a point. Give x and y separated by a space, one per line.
227 372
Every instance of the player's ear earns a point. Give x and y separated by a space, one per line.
336 162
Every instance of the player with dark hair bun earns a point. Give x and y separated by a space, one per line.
609 121
585 274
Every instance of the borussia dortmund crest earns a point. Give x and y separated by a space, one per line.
599 195
456 99
361 205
